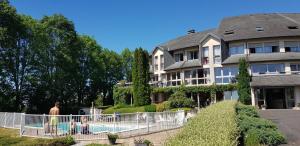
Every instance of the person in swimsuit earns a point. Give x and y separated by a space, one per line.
54 111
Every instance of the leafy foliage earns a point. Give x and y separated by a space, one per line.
255 130
214 125
150 108
140 75
179 100
44 61
244 82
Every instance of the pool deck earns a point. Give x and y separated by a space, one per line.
158 139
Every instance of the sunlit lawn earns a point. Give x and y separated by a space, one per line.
10 137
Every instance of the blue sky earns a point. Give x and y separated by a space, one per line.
119 24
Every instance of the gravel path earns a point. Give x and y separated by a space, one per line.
288 122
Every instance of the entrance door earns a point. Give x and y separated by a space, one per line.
275 98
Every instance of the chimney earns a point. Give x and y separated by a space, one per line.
191 31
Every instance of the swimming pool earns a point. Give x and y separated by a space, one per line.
93 128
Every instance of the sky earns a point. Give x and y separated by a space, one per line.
119 24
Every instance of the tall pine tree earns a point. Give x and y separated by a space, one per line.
244 82
140 77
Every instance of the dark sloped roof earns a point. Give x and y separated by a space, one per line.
273 25
276 80
263 57
184 64
188 40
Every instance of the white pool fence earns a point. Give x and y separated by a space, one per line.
90 127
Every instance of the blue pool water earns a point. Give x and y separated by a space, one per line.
93 128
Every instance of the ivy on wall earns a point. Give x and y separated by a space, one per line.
121 93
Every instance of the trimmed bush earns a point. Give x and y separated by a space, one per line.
255 130
242 109
179 100
214 125
163 106
150 108
126 109
252 139
264 136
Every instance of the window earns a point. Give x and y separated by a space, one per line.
156 63
292 27
292 46
225 75
236 49
258 28
205 55
295 67
173 79
196 76
231 95
217 54
179 57
267 68
162 62
267 47
193 55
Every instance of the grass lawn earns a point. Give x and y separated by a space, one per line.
10 137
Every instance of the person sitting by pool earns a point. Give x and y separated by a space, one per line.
84 128
54 111
73 127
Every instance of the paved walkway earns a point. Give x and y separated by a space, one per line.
288 122
158 139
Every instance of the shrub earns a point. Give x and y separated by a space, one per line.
252 139
246 123
265 136
69 140
242 109
179 99
126 109
150 108
142 141
214 125
112 138
256 130
163 106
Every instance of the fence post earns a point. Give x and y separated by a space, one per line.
21 123
147 118
14 120
44 124
5 119
137 119
114 116
70 120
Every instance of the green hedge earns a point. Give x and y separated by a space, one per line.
255 130
124 109
213 126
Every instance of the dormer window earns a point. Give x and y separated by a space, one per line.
192 55
178 57
258 28
228 32
292 27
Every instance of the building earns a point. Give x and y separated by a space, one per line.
269 42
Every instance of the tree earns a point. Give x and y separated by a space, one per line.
127 58
14 52
140 78
113 73
244 90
